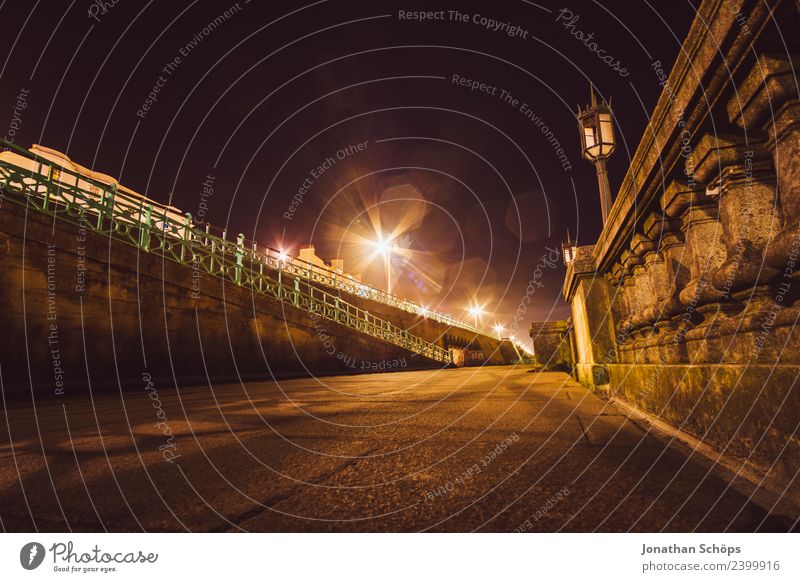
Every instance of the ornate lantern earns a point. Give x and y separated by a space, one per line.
596 127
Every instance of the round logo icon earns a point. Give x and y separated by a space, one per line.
31 555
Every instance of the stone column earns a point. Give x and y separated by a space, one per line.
678 197
624 335
767 100
551 344
592 319
642 248
619 289
666 279
705 308
650 280
630 261
741 180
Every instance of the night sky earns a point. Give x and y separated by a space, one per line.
277 96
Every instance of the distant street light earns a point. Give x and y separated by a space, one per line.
499 329
596 127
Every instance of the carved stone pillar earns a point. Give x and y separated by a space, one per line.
656 265
705 253
619 305
622 307
667 278
636 290
740 178
627 290
624 331
641 248
767 100
675 201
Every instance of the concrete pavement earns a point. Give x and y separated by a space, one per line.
486 449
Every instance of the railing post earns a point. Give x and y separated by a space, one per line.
223 247
46 189
187 225
144 228
213 252
260 272
239 256
296 295
106 199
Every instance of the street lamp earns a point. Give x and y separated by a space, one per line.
499 328
384 247
476 311
568 250
597 142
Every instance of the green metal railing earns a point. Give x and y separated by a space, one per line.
343 282
61 192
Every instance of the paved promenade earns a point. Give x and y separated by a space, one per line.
486 449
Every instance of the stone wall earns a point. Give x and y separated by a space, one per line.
552 344
689 299
82 311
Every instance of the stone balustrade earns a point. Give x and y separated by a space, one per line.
688 305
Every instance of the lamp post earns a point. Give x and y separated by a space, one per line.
597 143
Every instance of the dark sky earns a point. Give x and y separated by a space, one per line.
469 183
